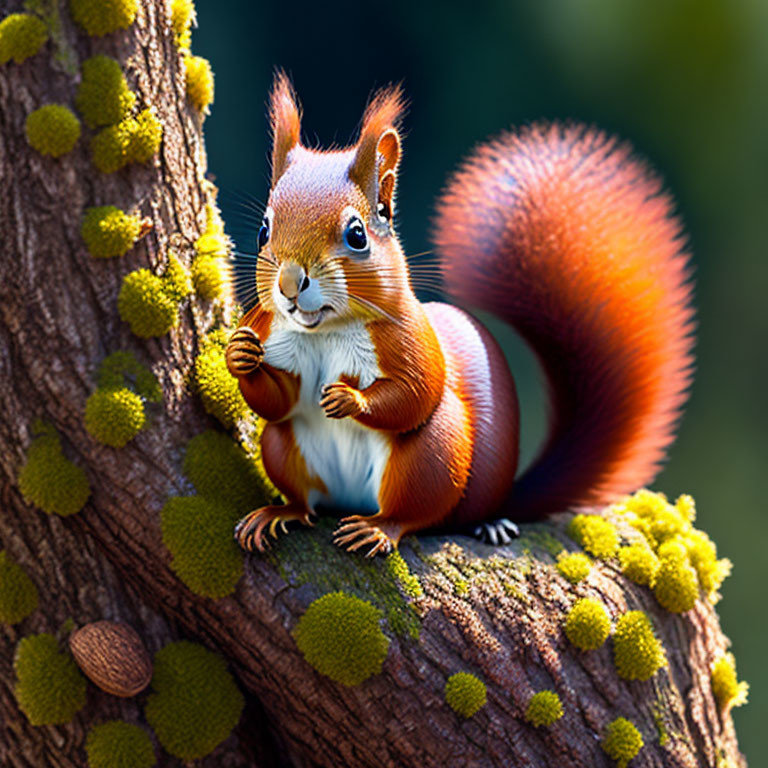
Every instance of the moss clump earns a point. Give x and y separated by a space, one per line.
195 703
574 566
637 652
182 17
728 691
114 416
702 554
117 744
108 231
21 35
211 248
401 573
145 305
49 480
677 586
18 593
146 133
588 625
339 635
639 563
596 534
52 130
622 741
103 96
122 368
465 694
102 17
219 391
133 140
49 687
197 531
177 282
199 78
544 708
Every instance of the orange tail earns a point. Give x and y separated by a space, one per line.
564 235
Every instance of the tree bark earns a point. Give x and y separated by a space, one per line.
496 613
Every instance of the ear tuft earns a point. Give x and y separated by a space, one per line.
285 121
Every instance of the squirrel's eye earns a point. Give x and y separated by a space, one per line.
355 235
264 233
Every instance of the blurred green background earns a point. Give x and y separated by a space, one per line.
685 81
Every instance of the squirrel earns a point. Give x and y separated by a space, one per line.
406 413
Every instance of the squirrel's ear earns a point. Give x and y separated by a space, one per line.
374 168
285 120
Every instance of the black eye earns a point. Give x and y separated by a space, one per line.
355 236
264 233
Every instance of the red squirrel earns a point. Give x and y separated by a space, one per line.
406 412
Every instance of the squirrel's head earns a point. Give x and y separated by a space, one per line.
328 253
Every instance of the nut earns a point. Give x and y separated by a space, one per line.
113 656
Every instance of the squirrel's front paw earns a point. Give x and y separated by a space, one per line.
339 400
244 352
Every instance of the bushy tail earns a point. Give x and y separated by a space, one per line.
564 235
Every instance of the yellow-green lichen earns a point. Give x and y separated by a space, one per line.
21 35
117 744
639 563
339 635
18 593
103 96
199 79
146 133
677 586
49 480
52 130
211 249
177 281
114 416
728 691
122 368
588 624
465 694
544 709
637 652
574 566
219 392
132 140
622 741
182 18
195 703
102 17
145 305
399 571
49 687
597 535
108 231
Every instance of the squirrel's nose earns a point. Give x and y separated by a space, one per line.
292 280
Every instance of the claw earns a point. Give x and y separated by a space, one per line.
251 531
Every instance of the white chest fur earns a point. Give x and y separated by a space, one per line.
348 457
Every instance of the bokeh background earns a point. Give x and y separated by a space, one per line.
686 81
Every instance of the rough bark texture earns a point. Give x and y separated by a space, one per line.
500 619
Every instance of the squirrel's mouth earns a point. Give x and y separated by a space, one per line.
309 320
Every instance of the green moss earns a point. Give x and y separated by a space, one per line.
146 134
339 635
182 17
208 278
219 391
132 140
49 687
588 625
677 586
597 535
145 305
21 35
399 571
122 368
574 566
18 593
728 691
639 563
637 652
116 744
176 278
114 416
102 17
49 480
199 79
108 231
195 703
198 533
622 741
52 130
702 554
465 694
103 96
544 709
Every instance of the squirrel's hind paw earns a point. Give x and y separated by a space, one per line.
496 532
250 532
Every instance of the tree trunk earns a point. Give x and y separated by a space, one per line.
495 613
